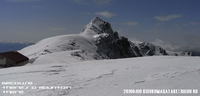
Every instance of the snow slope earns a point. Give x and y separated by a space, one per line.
59 44
107 77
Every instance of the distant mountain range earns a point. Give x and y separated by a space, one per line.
13 46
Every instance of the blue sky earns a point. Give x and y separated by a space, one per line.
175 21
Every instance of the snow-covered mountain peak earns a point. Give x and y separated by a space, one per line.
96 19
97 26
97 41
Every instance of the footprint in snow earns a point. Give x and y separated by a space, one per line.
170 74
142 81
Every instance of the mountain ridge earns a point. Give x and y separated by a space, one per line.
96 41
